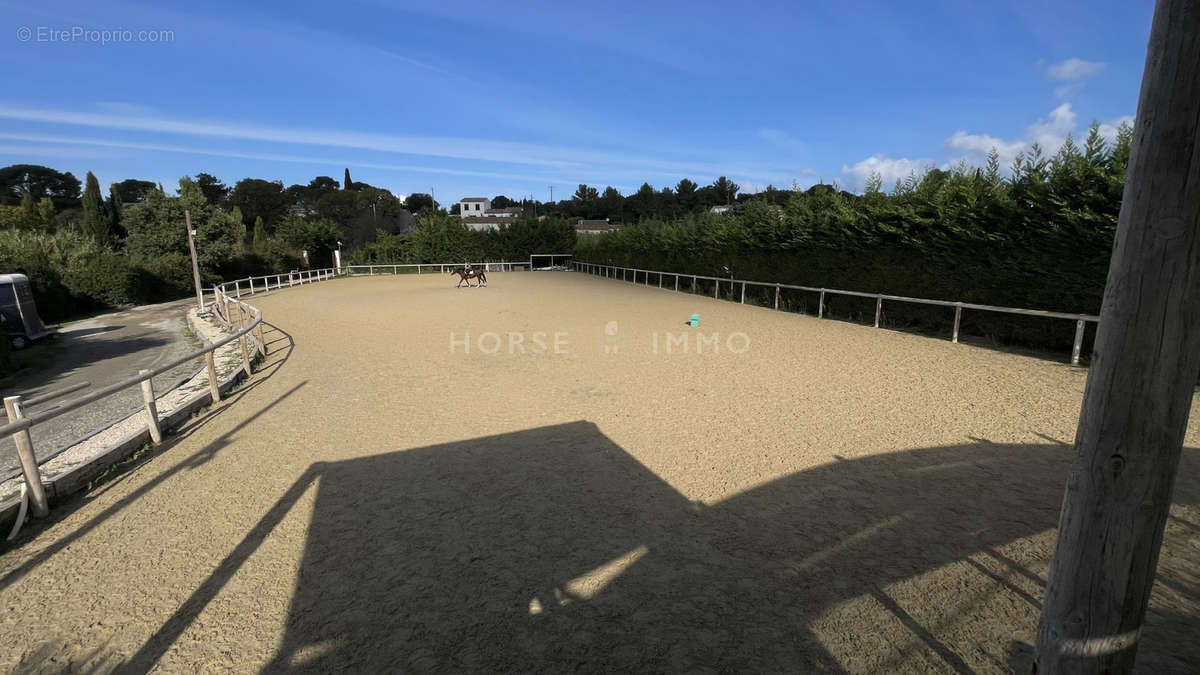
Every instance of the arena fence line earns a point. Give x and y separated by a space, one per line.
429 268
671 281
227 305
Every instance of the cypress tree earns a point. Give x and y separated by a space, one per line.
115 206
260 236
346 181
95 224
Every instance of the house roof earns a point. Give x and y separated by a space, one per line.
474 199
516 210
594 225
487 220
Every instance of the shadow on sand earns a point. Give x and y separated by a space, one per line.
554 550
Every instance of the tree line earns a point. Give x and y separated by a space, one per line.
85 251
1039 236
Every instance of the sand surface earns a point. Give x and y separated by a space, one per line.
382 497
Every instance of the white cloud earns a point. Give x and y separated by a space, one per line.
1072 73
1074 69
1049 132
889 169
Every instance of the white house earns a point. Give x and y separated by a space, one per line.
473 206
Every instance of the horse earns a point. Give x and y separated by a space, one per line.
467 275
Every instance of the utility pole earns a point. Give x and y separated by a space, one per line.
1139 390
191 235
551 194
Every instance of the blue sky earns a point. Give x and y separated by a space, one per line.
486 98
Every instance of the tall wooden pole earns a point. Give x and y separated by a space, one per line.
187 218
1139 389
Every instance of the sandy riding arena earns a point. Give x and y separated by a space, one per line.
555 474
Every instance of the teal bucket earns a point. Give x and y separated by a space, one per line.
695 320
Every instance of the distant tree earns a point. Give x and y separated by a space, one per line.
215 192
38 181
502 202
611 201
240 226
317 236
45 210
346 182
132 190
259 243
585 201
874 184
685 194
158 243
725 189
115 206
95 221
418 202
991 173
456 208
259 198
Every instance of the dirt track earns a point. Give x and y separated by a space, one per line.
836 497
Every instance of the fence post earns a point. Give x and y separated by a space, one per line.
245 354
676 283
878 309
717 289
821 305
776 296
237 288
29 466
370 270
211 364
693 284
1078 347
743 292
660 279
957 321
151 407
262 342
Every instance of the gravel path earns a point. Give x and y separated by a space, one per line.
103 350
833 497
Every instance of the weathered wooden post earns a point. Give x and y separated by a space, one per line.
743 292
957 320
1144 366
776 296
821 305
29 465
878 309
151 407
262 343
210 363
1078 344
245 353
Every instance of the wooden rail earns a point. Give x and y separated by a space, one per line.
624 273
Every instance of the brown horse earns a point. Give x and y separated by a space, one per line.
466 275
